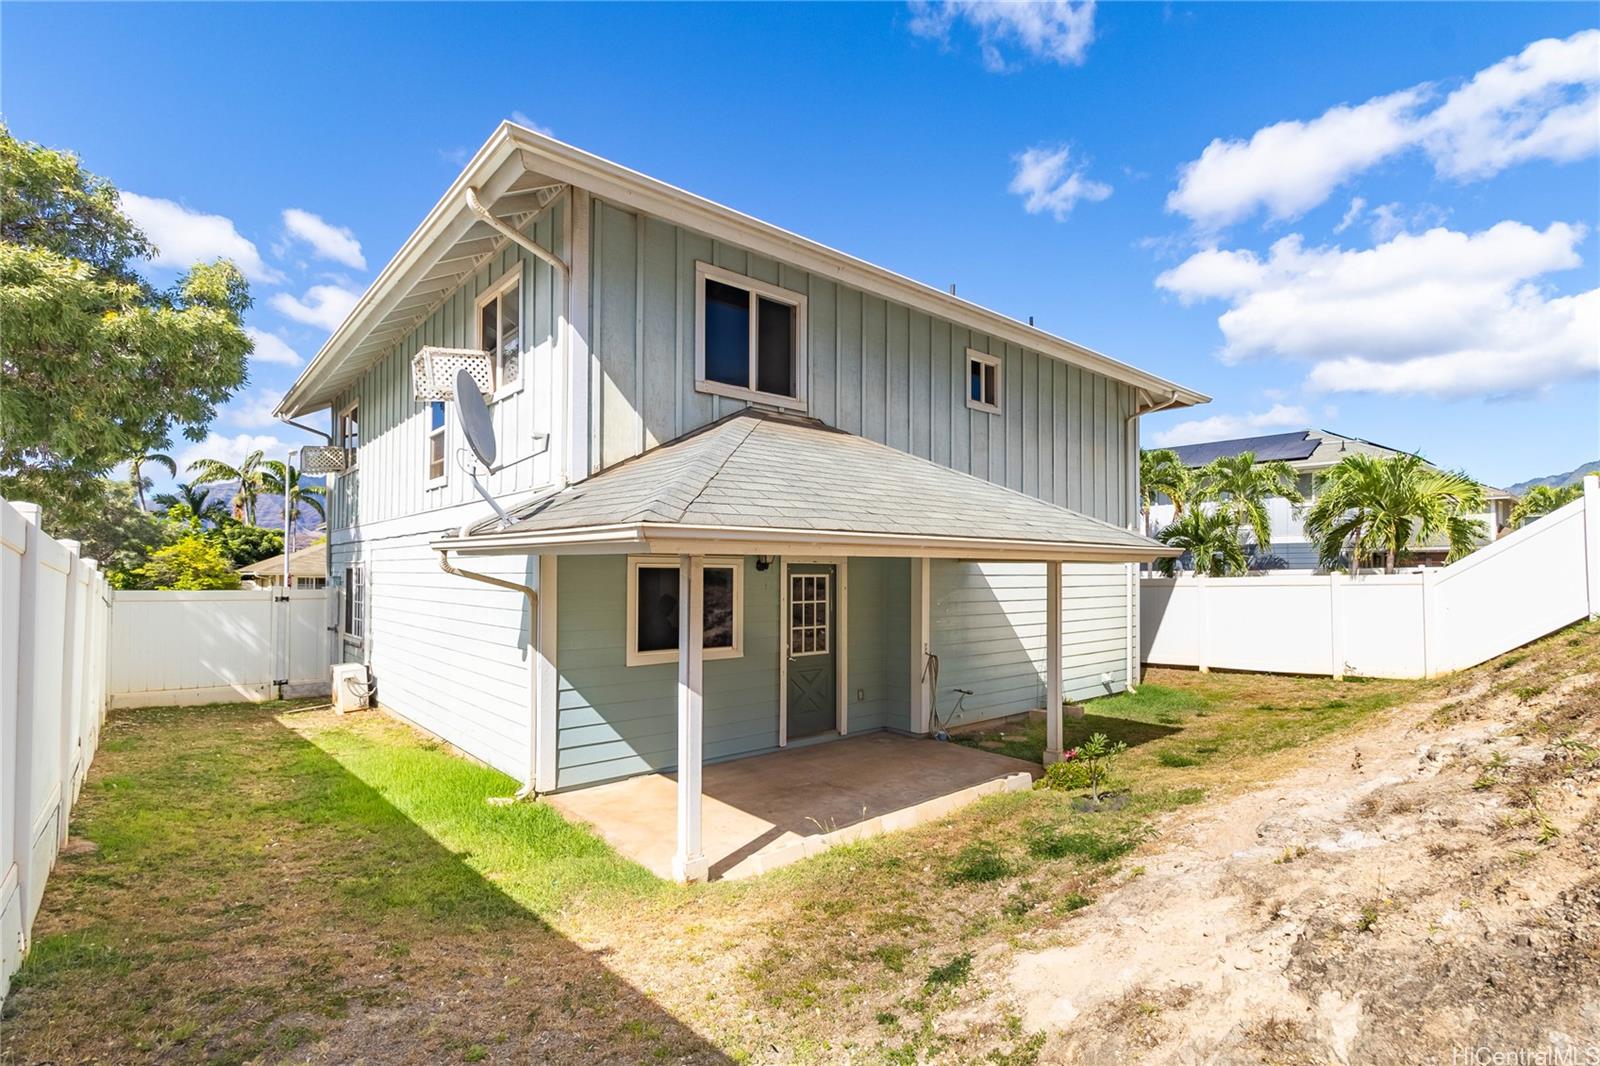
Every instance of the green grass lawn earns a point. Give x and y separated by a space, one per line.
265 884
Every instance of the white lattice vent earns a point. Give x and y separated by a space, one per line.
433 371
322 459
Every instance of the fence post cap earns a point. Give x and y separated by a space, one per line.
32 512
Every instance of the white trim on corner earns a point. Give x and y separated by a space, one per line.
704 271
512 278
670 562
985 359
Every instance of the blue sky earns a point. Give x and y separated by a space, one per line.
1377 219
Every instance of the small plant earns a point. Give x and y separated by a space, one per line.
1099 753
1176 759
1368 919
1070 774
1073 901
1291 854
888 1019
952 974
1527 693
893 956
977 864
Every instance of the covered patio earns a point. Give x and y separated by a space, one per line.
784 494
766 811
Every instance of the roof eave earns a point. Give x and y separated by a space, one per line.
667 538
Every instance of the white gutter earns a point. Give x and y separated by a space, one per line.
532 595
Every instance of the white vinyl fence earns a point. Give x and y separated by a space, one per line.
54 621
1523 586
175 647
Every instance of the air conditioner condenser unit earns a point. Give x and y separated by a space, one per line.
352 687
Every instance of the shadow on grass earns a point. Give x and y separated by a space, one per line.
1027 741
252 896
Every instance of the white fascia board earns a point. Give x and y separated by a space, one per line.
629 188
674 539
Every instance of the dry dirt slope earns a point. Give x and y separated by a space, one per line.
1428 886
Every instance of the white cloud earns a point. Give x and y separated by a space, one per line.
323 305
327 241
232 450
253 410
183 237
1440 312
1357 208
1056 31
1046 181
1229 427
1291 167
271 348
521 118
1543 103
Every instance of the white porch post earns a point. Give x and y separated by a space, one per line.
689 861
1052 644
921 686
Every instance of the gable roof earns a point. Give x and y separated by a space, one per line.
522 166
310 561
763 477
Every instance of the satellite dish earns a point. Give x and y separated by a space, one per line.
473 414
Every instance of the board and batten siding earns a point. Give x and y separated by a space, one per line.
987 626
448 654
874 367
390 478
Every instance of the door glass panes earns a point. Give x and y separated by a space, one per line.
808 614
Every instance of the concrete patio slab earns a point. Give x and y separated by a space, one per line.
770 810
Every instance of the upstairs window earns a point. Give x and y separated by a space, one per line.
355 603
436 443
983 381
750 338
349 434
653 610
500 332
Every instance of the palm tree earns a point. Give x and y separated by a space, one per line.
1542 499
195 497
247 474
136 472
1241 488
298 494
1371 505
1211 537
1161 473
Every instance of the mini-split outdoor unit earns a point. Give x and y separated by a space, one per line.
352 689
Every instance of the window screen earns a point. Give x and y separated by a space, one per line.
727 334
775 351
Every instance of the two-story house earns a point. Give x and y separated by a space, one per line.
1310 453
763 494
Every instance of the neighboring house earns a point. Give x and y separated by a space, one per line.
1309 452
308 569
852 471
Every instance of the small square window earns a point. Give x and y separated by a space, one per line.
436 467
983 381
653 610
749 338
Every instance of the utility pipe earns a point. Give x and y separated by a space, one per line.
1128 434
532 596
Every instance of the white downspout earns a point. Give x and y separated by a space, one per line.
488 218
532 595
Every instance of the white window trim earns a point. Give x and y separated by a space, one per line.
358 573
828 608
756 287
511 279
428 434
352 455
985 359
670 562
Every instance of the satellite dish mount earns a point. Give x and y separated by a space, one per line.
478 427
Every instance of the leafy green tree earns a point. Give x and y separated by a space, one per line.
1210 536
1240 487
244 544
191 562
115 530
1162 473
197 498
307 495
248 474
1542 499
136 472
98 367
1370 506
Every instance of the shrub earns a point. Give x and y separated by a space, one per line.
1088 767
190 562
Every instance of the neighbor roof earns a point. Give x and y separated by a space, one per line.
522 166
310 561
1285 446
760 477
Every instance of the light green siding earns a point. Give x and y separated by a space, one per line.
875 367
880 650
